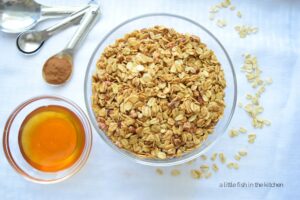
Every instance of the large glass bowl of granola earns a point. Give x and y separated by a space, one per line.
160 89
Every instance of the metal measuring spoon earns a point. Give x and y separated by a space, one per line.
31 41
19 15
58 68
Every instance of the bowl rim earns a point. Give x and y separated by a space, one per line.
137 159
6 132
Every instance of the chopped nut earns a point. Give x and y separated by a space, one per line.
239 14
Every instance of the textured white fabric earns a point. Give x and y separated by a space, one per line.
273 158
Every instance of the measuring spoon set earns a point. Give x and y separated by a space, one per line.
18 16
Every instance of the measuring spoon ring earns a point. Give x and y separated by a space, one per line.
31 41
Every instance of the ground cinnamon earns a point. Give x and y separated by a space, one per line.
57 70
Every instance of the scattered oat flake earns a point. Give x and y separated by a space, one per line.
225 3
237 157
242 153
222 158
251 141
253 74
236 166
208 175
251 138
233 133
175 172
230 165
191 162
242 130
232 8
196 174
267 122
214 156
221 23
233 165
214 9
159 171
203 157
249 96
204 168
269 81
245 30
215 167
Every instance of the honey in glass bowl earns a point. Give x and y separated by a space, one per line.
51 138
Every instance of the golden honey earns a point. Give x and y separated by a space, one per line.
51 138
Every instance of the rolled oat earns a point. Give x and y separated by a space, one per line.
158 93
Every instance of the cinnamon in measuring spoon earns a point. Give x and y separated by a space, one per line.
57 69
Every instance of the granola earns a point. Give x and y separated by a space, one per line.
158 93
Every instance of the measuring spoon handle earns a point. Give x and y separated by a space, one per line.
85 26
58 11
67 21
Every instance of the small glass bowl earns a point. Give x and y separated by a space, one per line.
182 25
11 145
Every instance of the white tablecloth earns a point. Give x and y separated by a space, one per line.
273 158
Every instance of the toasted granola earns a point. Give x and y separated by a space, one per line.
158 93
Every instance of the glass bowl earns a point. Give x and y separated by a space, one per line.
182 25
11 145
